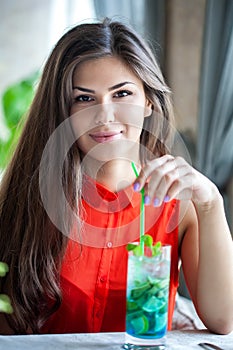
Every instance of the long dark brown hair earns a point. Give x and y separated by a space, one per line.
30 243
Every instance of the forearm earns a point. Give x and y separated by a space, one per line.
214 294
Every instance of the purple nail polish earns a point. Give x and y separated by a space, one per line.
156 202
166 199
136 186
147 200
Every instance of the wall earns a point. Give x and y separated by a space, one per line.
185 21
23 33
28 31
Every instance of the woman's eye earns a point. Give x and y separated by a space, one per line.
122 93
83 98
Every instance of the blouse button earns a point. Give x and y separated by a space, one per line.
109 244
103 279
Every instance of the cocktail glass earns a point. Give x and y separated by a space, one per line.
148 280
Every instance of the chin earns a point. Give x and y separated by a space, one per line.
105 152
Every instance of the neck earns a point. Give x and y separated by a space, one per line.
116 174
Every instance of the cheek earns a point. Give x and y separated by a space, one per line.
80 123
81 143
132 115
134 134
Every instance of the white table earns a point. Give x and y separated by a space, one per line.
176 340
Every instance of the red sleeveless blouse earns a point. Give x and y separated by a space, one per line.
94 270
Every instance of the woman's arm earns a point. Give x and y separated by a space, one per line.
207 261
206 244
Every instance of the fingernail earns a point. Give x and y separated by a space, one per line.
147 200
136 186
166 199
156 202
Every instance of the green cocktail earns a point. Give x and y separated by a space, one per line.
147 298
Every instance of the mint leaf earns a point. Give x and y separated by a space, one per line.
148 240
131 246
156 249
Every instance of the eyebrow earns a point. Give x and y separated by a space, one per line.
117 86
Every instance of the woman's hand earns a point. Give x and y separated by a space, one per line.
171 177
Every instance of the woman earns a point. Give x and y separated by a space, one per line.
70 202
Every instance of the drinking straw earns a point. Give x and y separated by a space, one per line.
142 212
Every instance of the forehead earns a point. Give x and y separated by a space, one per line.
105 69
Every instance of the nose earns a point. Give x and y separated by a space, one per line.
104 114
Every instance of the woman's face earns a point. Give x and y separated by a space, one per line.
108 109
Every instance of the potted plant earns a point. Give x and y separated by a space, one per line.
5 303
16 100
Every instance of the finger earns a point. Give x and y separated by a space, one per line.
161 180
148 169
182 188
147 198
166 188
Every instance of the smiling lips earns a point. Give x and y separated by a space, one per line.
106 136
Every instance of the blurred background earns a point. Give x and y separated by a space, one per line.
193 41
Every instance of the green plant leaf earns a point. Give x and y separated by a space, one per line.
7 148
5 304
3 269
17 98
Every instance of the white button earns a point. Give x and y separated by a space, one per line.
109 244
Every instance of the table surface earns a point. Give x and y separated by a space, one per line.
176 340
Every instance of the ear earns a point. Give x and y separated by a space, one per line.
148 108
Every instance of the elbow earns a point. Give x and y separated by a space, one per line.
220 326
218 320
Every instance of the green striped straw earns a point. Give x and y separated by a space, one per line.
142 212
